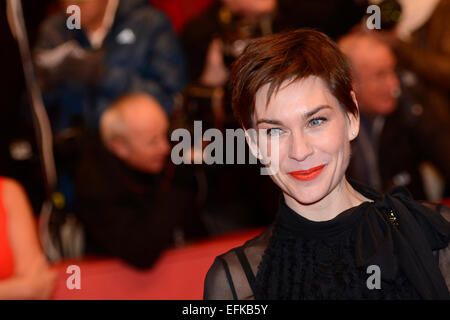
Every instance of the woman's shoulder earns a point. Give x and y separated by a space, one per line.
251 251
11 190
14 203
419 209
230 275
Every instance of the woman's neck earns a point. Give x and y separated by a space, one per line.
341 198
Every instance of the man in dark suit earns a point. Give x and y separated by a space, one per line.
398 134
132 202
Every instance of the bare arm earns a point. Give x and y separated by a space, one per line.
32 278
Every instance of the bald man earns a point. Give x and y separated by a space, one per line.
132 201
398 134
375 81
135 128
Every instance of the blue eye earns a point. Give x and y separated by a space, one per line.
316 121
273 131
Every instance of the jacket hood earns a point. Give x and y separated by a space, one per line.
125 7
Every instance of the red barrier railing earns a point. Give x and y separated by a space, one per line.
177 275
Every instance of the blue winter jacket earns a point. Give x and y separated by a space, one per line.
141 54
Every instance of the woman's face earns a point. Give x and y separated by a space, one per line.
313 134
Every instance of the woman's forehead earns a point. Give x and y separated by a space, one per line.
294 97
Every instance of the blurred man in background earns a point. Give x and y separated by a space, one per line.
132 202
122 46
393 142
421 42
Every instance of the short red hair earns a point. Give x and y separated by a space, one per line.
288 56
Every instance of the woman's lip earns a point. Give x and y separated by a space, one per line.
309 174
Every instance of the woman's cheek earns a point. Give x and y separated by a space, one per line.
334 137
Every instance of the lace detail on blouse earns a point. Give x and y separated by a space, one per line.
298 268
301 259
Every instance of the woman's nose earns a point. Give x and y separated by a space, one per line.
300 147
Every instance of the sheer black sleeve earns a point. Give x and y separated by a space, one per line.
231 275
444 211
444 254
218 282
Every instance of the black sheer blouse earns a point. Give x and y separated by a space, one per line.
297 258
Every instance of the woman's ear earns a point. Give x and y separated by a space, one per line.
353 127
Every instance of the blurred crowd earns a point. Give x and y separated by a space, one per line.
116 87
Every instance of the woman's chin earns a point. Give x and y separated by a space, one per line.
306 198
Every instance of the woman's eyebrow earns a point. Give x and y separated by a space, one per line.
269 121
314 111
305 116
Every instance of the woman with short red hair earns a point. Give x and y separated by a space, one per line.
331 234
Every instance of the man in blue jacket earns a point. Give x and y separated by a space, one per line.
119 47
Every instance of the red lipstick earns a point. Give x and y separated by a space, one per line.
305 175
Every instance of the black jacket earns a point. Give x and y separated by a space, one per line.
411 135
133 215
